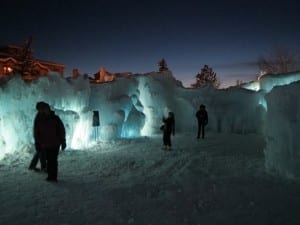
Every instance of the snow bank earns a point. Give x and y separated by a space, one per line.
282 152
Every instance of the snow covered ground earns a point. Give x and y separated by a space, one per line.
218 180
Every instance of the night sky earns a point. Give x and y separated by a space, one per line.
132 36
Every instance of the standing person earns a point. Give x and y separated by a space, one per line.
168 129
50 134
202 118
40 154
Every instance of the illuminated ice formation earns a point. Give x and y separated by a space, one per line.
282 152
267 82
133 107
128 107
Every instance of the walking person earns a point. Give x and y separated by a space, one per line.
168 128
40 154
50 134
202 118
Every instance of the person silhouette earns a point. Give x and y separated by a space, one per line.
40 154
202 118
50 136
168 128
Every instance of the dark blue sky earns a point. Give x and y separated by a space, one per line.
133 36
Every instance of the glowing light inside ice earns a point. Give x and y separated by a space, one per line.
269 82
81 135
262 101
146 130
7 140
129 133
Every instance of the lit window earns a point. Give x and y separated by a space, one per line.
7 69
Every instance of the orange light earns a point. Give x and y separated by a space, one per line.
7 69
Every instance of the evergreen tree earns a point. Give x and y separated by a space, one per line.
163 65
206 77
25 60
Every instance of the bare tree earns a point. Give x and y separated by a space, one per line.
276 61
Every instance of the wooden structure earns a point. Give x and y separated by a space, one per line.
14 59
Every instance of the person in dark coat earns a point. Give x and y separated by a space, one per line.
202 118
50 135
40 154
168 128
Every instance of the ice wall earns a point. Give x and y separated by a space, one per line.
69 99
282 152
267 82
160 93
131 107
128 107
121 112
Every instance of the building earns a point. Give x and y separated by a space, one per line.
19 59
103 76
